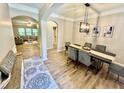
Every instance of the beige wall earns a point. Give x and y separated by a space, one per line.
114 44
68 31
6 33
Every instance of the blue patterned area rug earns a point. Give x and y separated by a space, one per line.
35 75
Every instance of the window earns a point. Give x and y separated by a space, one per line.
21 31
35 32
28 32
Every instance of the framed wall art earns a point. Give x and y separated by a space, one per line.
84 27
96 31
108 31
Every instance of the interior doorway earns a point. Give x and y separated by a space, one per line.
26 32
55 36
52 35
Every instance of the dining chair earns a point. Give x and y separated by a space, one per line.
87 45
100 48
72 55
117 69
84 58
96 62
66 46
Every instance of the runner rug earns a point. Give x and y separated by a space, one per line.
35 75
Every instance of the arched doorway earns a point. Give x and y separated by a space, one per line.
52 35
26 31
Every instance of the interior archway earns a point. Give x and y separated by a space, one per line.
26 31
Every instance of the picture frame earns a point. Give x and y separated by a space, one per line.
81 28
96 31
108 31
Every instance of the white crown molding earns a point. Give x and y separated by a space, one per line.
113 11
105 13
23 8
61 17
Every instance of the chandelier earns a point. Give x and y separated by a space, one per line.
84 26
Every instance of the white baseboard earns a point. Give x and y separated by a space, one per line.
60 50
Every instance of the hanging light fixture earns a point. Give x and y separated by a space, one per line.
84 26
29 24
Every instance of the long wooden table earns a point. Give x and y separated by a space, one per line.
99 55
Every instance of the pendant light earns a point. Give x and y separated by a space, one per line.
84 26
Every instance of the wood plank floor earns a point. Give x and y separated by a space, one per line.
67 77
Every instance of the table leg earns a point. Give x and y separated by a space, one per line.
118 78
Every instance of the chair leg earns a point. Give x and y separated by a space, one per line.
78 64
97 69
87 71
75 64
101 65
107 74
118 78
67 61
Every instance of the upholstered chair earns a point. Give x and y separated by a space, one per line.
88 45
95 61
72 55
84 58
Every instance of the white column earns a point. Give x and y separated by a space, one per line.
43 39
